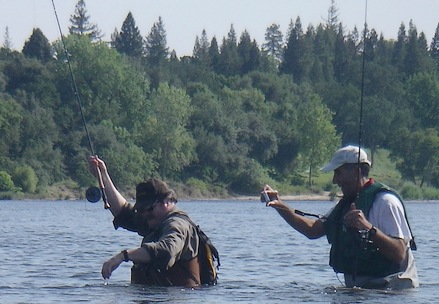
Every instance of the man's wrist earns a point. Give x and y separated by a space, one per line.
125 256
372 232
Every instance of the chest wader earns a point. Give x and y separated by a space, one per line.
182 273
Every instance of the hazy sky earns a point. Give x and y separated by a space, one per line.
185 19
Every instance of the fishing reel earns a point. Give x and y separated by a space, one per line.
364 238
93 194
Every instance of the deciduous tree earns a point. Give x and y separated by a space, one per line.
165 134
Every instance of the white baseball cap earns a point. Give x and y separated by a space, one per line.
346 155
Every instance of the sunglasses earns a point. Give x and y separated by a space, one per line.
148 209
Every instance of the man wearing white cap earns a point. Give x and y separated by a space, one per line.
371 241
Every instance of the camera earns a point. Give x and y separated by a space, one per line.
265 198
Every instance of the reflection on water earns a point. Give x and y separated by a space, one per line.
52 252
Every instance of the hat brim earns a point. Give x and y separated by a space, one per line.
143 204
330 167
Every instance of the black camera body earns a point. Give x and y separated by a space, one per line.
265 198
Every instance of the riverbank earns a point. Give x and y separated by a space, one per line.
65 193
300 197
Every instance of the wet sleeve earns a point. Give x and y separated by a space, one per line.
175 242
130 220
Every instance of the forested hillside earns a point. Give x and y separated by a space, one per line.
229 118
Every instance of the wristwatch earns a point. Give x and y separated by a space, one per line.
372 231
125 256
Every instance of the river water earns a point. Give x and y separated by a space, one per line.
52 252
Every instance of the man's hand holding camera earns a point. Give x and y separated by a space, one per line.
270 197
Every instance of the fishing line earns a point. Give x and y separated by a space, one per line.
93 194
360 127
72 77
360 122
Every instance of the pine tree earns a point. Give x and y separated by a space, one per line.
229 61
323 50
332 21
249 53
214 54
38 46
297 53
434 47
157 51
353 39
7 43
129 41
273 45
400 48
197 48
371 44
81 23
201 49
341 58
416 56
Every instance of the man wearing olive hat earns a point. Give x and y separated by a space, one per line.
371 241
167 255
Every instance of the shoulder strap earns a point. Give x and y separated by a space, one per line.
385 188
204 238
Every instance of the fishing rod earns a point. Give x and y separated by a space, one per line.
360 125
364 239
265 198
360 122
93 194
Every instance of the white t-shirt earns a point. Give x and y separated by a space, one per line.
387 214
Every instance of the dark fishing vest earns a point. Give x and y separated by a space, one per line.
183 273
350 254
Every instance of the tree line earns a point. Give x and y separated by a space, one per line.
232 116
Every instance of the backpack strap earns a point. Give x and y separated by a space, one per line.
204 238
385 188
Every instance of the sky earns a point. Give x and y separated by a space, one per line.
184 20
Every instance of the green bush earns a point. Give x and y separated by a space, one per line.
197 187
26 178
251 179
6 182
411 192
430 193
